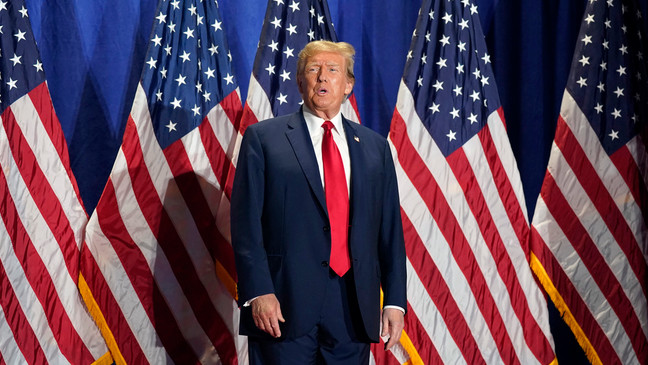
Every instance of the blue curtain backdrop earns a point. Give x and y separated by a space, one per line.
93 53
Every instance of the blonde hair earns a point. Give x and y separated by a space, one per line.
343 48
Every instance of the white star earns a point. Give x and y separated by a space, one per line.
181 79
608 23
616 113
473 9
462 46
16 59
176 103
289 52
486 58
213 49
623 49
457 90
217 25
20 36
3 5
590 18
171 126
427 36
312 11
614 134
320 19
454 113
460 68
189 33
442 63
278 2
424 59
229 79
12 83
276 22
431 14
185 56
604 65
285 75
477 73
434 108
23 11
587 39
447 18
472 118
451 136
158 94
163 72
463 24
606 45
229 56
171 27
292 29
282 98
409 54
294 6
438 85
206 96
474 96
618 92
274 46
198 86
465 2
445 40
196 110
157 40
270 69
584 60
598 108
311 35
610 3
582 82
152 63
419 81
601 86
484 80
175 4
621 70
161 18
199 20
209 73
192 9
38 65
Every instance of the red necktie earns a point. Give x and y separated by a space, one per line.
337 201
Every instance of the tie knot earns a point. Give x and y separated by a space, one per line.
327 125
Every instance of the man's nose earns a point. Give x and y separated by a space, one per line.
322 76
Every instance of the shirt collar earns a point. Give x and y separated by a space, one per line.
314 123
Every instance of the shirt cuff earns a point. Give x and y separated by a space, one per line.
385 307
247 304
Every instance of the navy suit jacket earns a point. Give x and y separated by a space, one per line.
280 227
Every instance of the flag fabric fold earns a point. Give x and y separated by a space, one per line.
589 235
472 297
157 261
42 316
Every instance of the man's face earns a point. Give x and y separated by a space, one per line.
323 84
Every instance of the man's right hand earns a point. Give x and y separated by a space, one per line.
266 312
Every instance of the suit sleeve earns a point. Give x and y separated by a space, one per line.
245 220
392 245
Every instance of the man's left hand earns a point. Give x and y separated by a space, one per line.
393 322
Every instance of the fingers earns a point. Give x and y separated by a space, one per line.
393 324
266 313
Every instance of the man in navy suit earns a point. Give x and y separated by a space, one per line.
316 226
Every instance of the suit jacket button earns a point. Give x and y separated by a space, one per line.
324 263
326 228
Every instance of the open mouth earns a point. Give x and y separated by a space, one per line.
322 92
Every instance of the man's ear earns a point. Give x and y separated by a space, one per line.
299 84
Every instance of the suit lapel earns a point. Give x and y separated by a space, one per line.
301 143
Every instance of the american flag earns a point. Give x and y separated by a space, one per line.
42 316
288 26
157 257
589 235
472 297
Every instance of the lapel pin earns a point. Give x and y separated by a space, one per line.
357 139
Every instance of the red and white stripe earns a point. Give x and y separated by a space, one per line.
159 261
590 235
42 222
471 293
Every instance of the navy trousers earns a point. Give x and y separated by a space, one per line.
338 338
